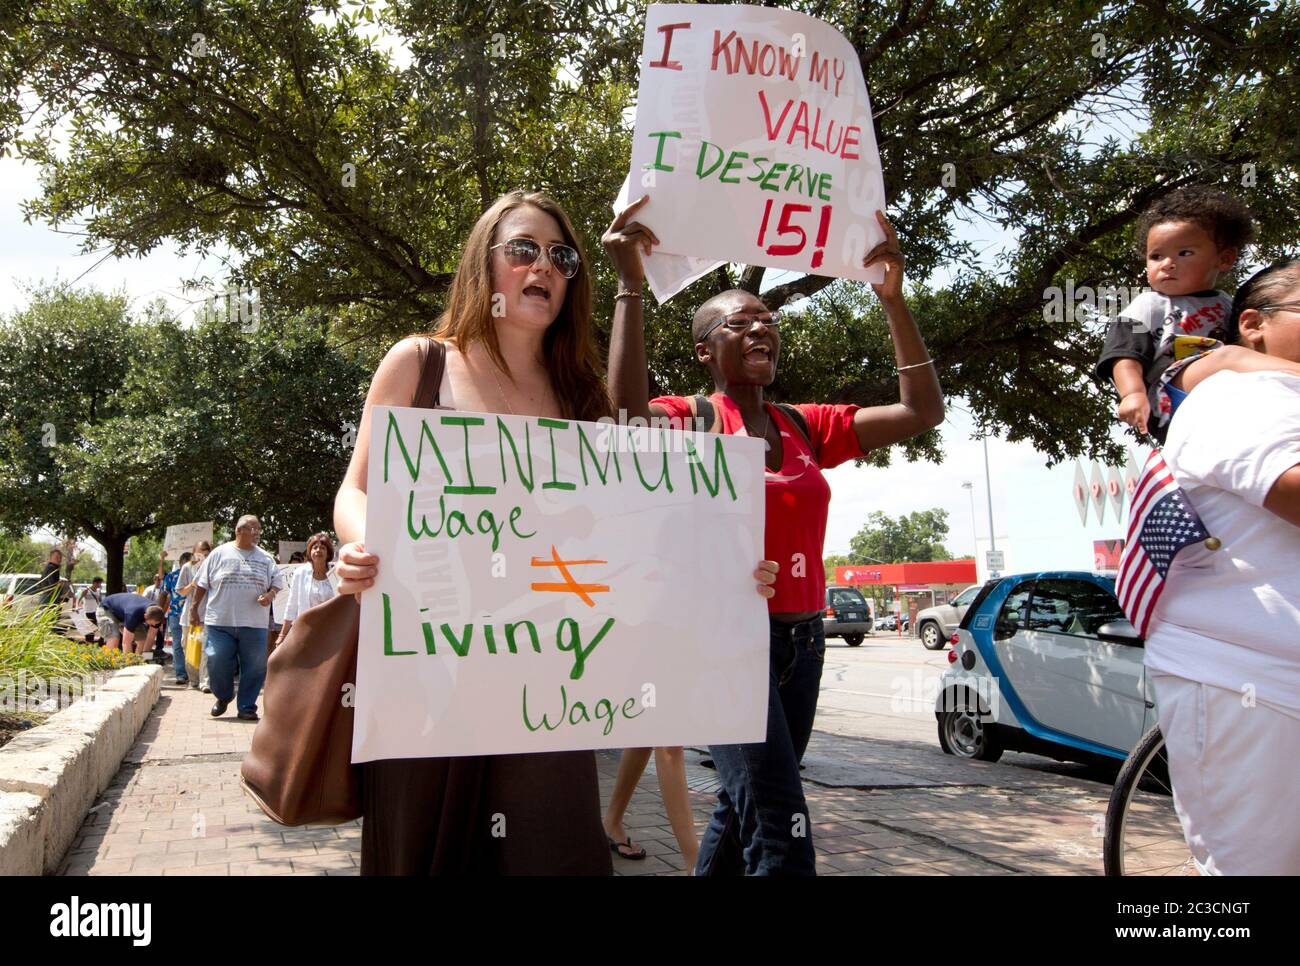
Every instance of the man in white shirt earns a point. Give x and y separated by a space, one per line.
238 581
1224 652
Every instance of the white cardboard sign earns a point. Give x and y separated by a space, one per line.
552 585
755 142
183 536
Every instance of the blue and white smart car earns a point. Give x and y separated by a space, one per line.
1045 663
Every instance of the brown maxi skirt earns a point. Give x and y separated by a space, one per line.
535 814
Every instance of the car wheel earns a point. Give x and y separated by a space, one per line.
963 735
931 636
853 640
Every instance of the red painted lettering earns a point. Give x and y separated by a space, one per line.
667 30
852 136
772 132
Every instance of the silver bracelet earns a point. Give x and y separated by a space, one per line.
916 365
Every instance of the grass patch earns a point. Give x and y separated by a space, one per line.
37 663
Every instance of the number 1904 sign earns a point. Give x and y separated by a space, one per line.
754 141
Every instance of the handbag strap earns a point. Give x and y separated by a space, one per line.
433 361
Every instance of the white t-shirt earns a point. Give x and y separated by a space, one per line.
306 592
1231 617
233 580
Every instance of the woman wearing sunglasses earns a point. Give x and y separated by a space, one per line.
517 339
761 824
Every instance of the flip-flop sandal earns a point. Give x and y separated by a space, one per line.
615 846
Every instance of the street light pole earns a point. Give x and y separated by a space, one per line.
969 487
988 488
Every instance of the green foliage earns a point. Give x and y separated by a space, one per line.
987 112
21 554
833 561
31 645
119 426
912 538
142 560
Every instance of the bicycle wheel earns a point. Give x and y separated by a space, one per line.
1143 834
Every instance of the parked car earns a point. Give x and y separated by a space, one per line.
936 624
15 591
848 615
1045 663
887 622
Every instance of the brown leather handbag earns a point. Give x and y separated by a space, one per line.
299 769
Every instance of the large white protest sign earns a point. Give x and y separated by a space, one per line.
755 143
551 585
183 536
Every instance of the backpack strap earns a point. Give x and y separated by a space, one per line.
796 416
433 362
702 408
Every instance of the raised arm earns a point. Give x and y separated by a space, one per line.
920 404
629 382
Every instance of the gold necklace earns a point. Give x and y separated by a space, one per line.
500 390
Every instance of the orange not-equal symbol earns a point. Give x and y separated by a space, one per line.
570 586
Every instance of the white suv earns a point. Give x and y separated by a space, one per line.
936 624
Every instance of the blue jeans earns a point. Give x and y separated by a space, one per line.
761 824
228 647
178 649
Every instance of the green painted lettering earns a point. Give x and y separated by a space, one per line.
720 472
772 174
733 163
659 153
465 422
551 425
388 630
532 634
580 653
504 435
546 721
585 447
412 469
665 479
459 645
700 171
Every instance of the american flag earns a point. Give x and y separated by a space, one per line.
1161 522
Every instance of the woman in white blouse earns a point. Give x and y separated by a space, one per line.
312 585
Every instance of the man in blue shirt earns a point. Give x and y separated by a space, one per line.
122 615
175 605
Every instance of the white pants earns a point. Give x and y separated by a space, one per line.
1235 768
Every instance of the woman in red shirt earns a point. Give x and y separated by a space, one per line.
761 824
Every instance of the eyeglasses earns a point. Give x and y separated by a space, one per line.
742 321
522 252
1293 306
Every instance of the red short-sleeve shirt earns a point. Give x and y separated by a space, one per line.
798 497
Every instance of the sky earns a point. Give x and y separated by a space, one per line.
1035 520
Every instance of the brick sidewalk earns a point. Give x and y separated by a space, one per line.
878 808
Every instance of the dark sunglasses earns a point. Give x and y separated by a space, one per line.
522 252
742 321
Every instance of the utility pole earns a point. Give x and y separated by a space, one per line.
988 488
969 487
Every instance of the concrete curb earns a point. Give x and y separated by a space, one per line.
51 775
